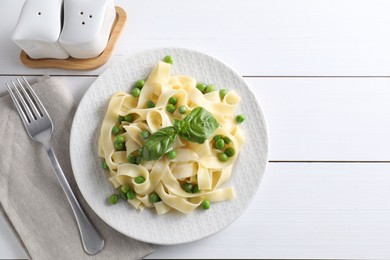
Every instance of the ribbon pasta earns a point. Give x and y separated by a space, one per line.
195 163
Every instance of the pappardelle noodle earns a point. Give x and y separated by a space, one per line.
171 143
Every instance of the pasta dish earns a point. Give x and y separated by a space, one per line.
171 142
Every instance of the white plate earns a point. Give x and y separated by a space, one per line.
172 228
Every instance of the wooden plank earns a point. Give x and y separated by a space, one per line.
313 119
9 244
256 37
326 119
306 211
302 210
76 85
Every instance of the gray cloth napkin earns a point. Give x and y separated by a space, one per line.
30 195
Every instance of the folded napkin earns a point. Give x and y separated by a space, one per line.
30 195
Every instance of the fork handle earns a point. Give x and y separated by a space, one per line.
92 242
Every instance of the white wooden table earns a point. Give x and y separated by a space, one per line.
321 71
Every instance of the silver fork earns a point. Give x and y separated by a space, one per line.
39 127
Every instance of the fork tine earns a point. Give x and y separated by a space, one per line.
37 101
36 112
23 116
23 103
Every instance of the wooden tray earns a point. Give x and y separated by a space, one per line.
82 64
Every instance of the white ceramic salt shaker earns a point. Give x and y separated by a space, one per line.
38 29
87 27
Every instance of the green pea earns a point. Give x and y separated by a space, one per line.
217 137
209 88
222 93
227 140
140 150
145 134
230 152
119 139
240 119
121 118
172 100
171 108
113 199
125 188
119 146
206 204
115 130
135 92
140 83
187 187
223 157
172 154
182 110
129 118
195 189
219 144
168 59
153 197
105 166
150 104
132 159
130 194
201 87
139 179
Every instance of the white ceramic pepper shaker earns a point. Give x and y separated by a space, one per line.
87 27
38 29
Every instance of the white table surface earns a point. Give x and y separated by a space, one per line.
321 72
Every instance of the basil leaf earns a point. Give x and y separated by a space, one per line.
198 126
177 124
159 143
